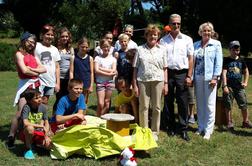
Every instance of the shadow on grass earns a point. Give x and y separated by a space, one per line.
236 131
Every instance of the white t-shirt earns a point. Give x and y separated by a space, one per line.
48 57
107 63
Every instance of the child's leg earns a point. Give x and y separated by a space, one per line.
135 106
245 115
100 101
14 122
28 132
108 94
86 94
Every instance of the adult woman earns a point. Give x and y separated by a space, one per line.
150 77
208 65
29 67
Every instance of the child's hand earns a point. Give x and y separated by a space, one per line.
244 85
80 116
226 90
48 142
84 122
136 90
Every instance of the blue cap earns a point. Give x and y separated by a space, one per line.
25 36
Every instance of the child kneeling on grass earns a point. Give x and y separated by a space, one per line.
126 101
71 108
35 125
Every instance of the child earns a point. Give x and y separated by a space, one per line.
128 30
66 51
35 123
126 101
49 57
81 67
122 62
71 108
109 37
29 67
105 70
130 55
234 86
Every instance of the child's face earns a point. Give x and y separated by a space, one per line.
83 48
64 37
76 90
123 87
235 51
48 37
105 48
36 100
30 43
124 43
129 32
109 38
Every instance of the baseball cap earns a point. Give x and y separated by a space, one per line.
25 36
234 43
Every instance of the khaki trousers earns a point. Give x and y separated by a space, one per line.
150 96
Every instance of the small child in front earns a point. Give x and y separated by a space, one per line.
234 85
71 108
34 122
126 101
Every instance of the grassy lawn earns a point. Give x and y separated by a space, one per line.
224 148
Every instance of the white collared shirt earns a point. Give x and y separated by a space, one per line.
178 50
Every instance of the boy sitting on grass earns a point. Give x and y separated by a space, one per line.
34 122
126 101
71 108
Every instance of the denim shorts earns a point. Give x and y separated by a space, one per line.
239 95
105 86
47 91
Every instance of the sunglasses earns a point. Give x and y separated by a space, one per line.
48 27
175 23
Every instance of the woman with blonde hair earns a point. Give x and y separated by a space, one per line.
208 66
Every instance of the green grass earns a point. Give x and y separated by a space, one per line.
224 148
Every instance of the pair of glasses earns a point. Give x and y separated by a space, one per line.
175 23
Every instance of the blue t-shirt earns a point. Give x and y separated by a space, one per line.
68 107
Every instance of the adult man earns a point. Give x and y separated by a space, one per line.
180 66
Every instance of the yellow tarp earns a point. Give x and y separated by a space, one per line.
97 142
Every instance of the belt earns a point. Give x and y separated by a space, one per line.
174 71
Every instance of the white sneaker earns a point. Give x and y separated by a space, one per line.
155 136
207 136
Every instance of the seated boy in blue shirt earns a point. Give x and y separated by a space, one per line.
71 108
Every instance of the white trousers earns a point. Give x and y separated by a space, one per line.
206 105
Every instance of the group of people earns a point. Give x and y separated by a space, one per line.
167 65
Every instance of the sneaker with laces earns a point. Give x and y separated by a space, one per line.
10 142
247 125
29 155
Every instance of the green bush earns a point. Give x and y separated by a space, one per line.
7 52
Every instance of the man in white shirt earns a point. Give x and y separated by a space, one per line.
180 67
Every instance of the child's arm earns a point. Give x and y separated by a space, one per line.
27 123
246 77
90 89
24 69
103 71
40 69
135 82
57 75
224 81
71 70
